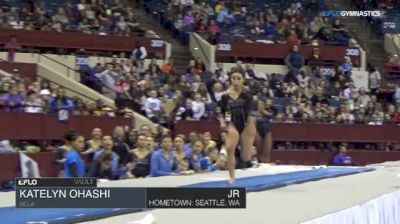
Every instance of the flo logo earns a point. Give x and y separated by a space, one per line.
27 182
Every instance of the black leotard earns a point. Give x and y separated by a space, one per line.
142 168
238 109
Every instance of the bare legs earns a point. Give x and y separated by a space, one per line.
231 141
247 139
264 146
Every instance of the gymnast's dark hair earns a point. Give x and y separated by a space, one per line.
71 135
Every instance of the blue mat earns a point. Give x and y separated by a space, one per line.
266 182
11 215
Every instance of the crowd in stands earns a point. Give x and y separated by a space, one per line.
102 17
23 95
318 95
294 22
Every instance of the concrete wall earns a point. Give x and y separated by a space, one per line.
200 48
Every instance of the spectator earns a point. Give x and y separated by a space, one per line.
213 28
141 157
33 104
195 155
74 165
120 147
139 52
397 96
61 102
13 100
154 107
347 66
162 161
181 158
188 20
294 61
374 80
342 159
106 146
292 39
107 80
198 107
168 68
102 167
94 143
12 47
132 139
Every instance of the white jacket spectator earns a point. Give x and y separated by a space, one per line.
139 53
153 105
198 108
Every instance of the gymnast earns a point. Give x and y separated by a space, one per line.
238 119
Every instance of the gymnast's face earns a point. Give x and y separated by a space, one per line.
237 79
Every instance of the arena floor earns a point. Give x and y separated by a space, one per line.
292 204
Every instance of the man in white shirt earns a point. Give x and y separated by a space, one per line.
153 107
198 107
139 53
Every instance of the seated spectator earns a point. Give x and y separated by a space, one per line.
141 157
154 107
139 52
33 104
396 117
120 147
12 100
342 159
397 96
195 155
292 39
168 68
162 161
95 143
74 165
188 20
208 142
184 168
198 107
347 66
61 102
102 167
106 146
339 33
271 32
374 78
213 28
295 61
224 17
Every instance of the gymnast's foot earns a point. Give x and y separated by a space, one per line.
231 181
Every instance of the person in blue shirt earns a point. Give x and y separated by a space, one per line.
107 144
342 159
61 102
195 155
74 165
347 66
162 161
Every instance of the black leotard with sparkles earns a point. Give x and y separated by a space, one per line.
238 109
